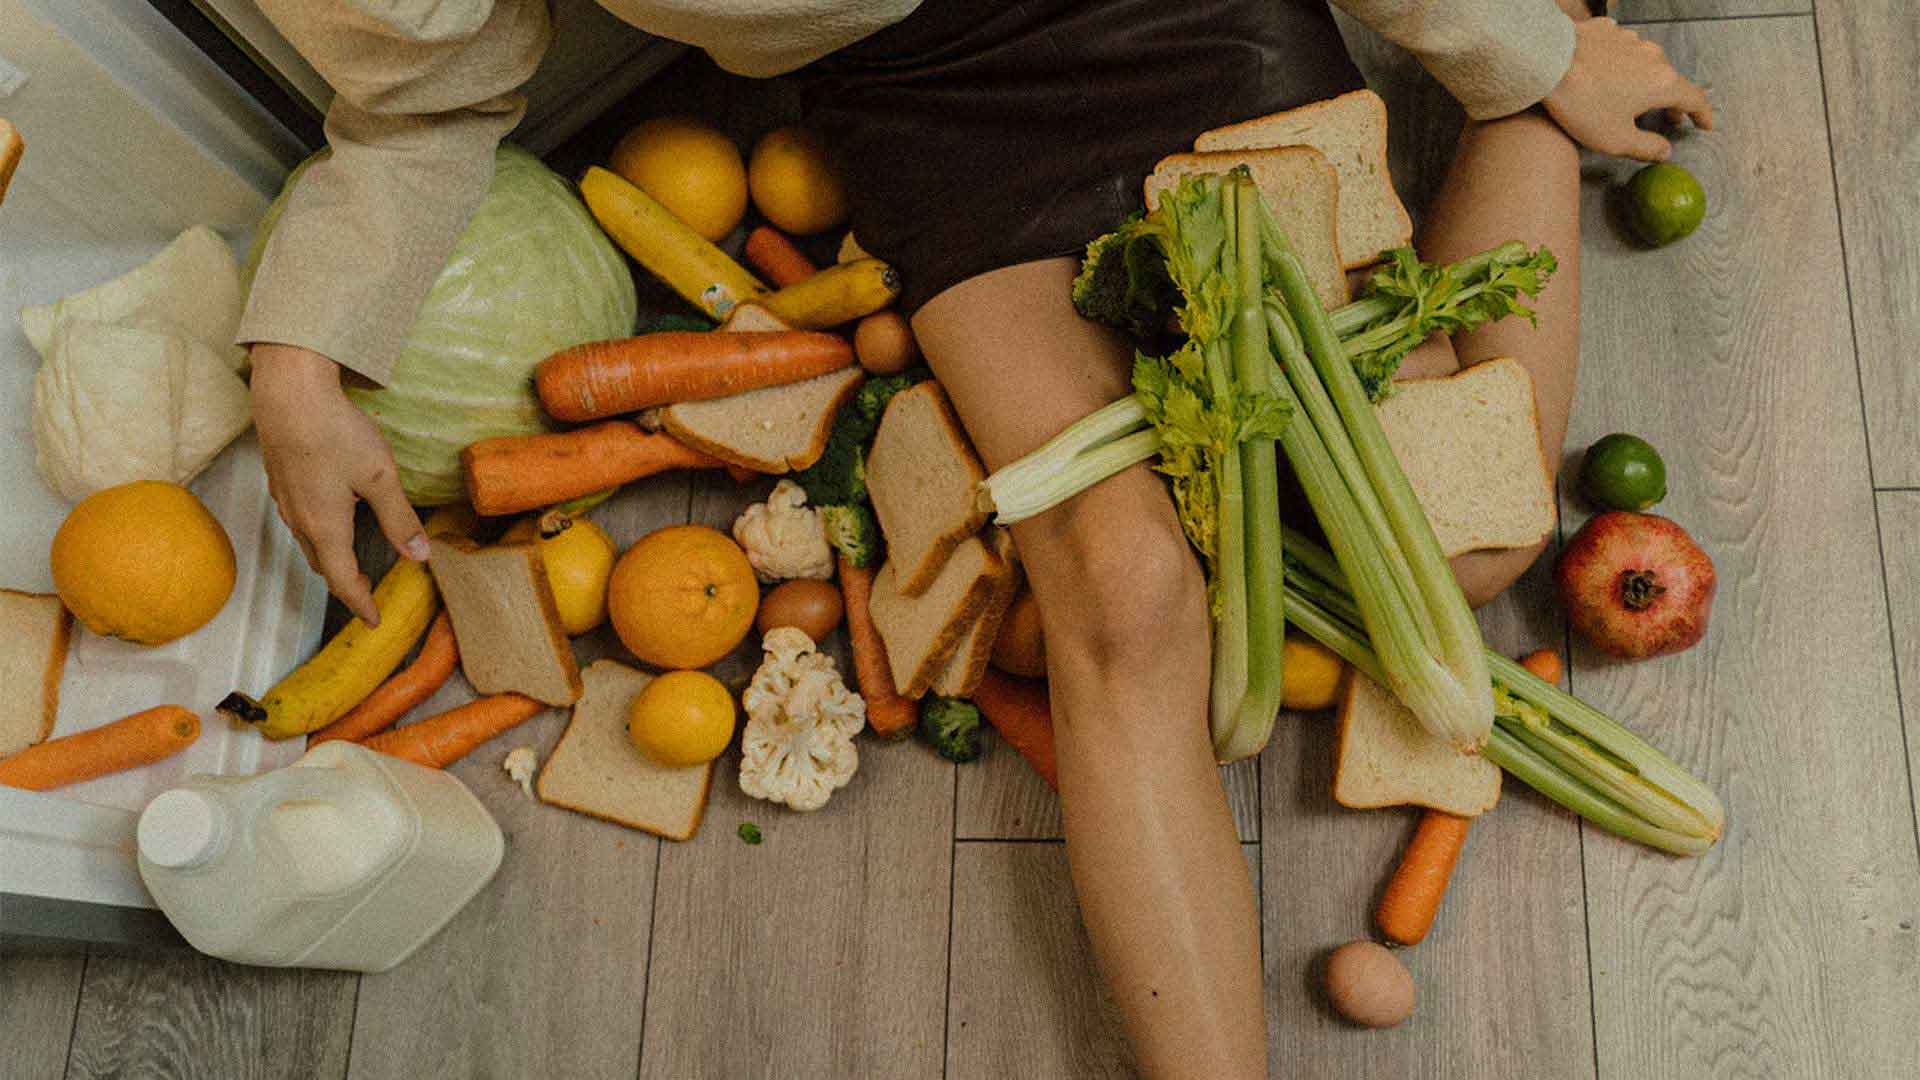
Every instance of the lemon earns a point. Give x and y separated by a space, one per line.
794 185
1310 678
682 718
1665 203
579 561
689 168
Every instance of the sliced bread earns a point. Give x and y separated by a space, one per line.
750 317
964 669
1387 759
1351 130
11 147
34 629
596 770
1470 446
921 632
772 430
504 619
1301 188
922 474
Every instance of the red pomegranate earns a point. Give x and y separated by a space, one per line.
1636 585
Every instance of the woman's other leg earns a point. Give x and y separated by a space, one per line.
1155 858
1516 179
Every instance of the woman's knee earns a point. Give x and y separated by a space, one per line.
1484 575
1120 600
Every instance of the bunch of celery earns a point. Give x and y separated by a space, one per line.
1254 324
1557 744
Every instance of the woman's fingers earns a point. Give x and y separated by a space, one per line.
1642 145
398 521
328 527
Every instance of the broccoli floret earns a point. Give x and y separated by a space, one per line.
749 833
853 532
840 476
952 726
1124 283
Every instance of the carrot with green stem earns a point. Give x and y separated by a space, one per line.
513 473
1019 710
888 714
1413 895
128 743
396 697
769 251
439 741
608 378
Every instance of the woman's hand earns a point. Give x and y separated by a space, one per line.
322 454
1616 76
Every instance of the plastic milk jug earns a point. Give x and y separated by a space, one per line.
345 859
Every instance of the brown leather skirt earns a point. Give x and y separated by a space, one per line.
978 134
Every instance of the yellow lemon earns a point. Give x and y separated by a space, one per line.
578 555
1311 676
682 718
143 561
689 168
794 185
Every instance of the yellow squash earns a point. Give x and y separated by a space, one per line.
836 295
666 245
351 666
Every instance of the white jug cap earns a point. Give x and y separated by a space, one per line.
181 828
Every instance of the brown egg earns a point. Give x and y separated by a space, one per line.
812 607
884 343
1021 648
1369 985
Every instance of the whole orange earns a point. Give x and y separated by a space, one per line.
143 561
689 168
683 597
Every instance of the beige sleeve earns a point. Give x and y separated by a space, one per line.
1496 56
425 91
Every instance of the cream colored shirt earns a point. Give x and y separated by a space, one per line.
427 88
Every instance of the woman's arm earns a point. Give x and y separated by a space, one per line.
425 91
1501 56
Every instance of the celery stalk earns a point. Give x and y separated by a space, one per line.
1232 656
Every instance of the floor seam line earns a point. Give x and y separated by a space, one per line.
1899 696
953 891
1747 17
79 995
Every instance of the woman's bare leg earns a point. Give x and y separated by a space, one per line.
1515 179
1155 859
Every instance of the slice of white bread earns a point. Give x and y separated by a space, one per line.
34 630
11 147
968 664
1470 446
1351 130
504 619
922 632
751 317
596 770
1387 759
771 430
1301 188
921 475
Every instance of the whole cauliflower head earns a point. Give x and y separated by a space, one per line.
784 537
797 747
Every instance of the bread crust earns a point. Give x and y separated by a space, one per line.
973 664
11 147
1217 160
972 606
1347 798
56 663
928 569
557 639
1226 137
564 803
816 445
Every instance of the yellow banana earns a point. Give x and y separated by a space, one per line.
666 246
351 666
835 295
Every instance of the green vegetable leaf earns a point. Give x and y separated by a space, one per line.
749 833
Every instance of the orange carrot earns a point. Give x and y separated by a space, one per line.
393 699
888 714
740 474
439 741
511 473
127 743
1413 894
769 251
607 378
1018 709
1546 664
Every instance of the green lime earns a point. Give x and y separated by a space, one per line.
1623 472
1665 203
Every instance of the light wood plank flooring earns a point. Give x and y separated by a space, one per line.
923 925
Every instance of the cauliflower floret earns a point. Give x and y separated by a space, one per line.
521 763
798 747
784 537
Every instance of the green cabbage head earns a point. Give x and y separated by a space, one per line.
532 274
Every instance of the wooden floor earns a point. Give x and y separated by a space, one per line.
923 924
